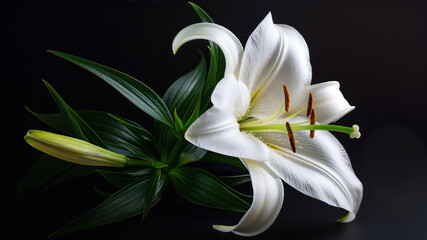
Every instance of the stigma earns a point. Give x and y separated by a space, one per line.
356 133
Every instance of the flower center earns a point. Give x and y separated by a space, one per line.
279 122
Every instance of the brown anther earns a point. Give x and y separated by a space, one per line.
291 137
310 104
312 121
286 92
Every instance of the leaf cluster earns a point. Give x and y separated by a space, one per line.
167 151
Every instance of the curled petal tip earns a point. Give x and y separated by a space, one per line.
347 218
226 40
223 228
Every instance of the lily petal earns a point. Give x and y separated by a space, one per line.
267 201
275 55
329 102
217 129
320 168
226 40
232 96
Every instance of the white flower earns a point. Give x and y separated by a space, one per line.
258 116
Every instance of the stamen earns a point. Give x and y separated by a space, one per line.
312 121
310 104
291 137
286 92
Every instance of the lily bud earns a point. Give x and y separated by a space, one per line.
74 150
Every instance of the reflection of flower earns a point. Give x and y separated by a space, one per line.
275 138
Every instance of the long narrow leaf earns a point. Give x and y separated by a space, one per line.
147 142
42 171
202 188
219 158
202 14
135 91
114 133
236 180
125 203
123 178
185 92
80 128
189 154
48 171
211 81
155 184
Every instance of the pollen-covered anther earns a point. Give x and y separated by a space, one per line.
312 121
291 137
310 104
356 133
287 98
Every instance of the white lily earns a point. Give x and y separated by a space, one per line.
273 136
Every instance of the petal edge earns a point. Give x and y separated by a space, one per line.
226 40
267 202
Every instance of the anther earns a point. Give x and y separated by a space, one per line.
286 92
291 137
310 104
312 121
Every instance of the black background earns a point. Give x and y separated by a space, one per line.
376 49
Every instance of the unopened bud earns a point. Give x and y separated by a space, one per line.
74 150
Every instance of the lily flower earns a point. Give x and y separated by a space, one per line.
266 113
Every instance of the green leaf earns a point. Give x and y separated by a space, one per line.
237 180
190 154
123 204
42 170
101 194
194 115
158 164
202 14
184 96
219 158
58 121
48 171
147 143
80 128
135 91
116 132
185 92
179 127
153 187
211 81
126 176
74 171
203 188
